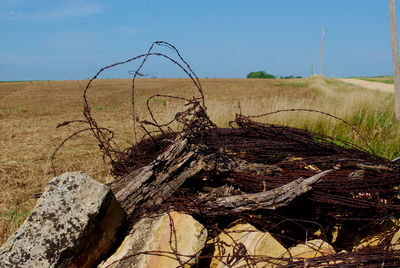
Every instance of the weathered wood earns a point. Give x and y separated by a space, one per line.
254 168
162 177
155 178
121 182
380 168
152 184
366 166
159 180
214 193
271 199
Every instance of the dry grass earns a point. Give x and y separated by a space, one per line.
30 111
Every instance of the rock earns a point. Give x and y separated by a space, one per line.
73 224
254 242
369 242
313 248
154 234
377 235
395 242
335 233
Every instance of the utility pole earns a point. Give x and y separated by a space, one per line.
312 64
395 55
322 58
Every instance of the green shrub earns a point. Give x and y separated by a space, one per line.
290 77
260 74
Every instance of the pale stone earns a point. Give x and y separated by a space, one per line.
335 233
313 248
153 234
368 242
73 224
255 242
377 235
395 243
318 232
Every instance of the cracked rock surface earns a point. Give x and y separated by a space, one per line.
72 225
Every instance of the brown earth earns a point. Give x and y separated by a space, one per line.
370 85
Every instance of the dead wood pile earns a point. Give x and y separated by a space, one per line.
292 183
252 172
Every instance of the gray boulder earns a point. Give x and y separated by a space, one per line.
73 224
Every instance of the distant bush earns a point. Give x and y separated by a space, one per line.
290 77
260 74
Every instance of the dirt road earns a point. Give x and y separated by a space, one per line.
371 85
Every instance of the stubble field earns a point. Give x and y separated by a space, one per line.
30 112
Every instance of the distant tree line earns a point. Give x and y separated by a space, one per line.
265 75
261 74
290 77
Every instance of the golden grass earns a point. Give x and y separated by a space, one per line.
30 111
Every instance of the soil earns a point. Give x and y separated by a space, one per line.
370 85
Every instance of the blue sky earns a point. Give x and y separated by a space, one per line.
59 40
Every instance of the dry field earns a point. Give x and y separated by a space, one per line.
30 112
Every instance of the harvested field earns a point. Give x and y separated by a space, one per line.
30 112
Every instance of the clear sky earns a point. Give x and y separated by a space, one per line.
73 39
